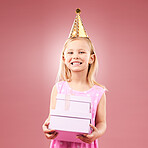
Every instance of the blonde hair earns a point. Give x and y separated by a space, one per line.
64 73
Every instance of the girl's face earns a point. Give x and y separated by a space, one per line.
77 55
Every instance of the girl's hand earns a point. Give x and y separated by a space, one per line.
50 134
89 138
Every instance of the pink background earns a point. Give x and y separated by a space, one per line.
32 34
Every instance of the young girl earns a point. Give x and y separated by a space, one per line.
76 74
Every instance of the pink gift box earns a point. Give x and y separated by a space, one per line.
71 117
79 104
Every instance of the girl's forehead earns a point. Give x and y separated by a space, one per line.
78 44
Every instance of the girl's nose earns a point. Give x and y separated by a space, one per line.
75 57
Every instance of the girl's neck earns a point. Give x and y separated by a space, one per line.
79 77
79 83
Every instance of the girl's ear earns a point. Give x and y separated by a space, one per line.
92 58
63 58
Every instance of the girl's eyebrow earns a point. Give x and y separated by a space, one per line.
69 49
81 49
73 49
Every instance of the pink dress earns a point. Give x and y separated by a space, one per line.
95 93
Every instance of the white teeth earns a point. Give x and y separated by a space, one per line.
75 63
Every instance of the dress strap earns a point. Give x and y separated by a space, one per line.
101 92
60 86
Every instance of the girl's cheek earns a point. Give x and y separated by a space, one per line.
67 60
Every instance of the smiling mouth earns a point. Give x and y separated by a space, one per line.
75 63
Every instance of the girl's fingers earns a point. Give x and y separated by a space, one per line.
47 123
51 136
85 135
84 139
47 136
93 127
49 131
56 134
45 126
89 136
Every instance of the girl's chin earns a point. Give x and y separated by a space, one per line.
77 70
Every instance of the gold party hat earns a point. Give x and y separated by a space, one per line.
77 29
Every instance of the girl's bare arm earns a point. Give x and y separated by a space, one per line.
50 134
101 116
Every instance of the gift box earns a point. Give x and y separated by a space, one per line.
79 104
70 117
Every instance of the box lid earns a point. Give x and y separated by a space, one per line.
69 114
86 99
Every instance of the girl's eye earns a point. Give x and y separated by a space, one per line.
70 52
81 52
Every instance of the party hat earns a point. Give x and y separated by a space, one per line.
78 29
